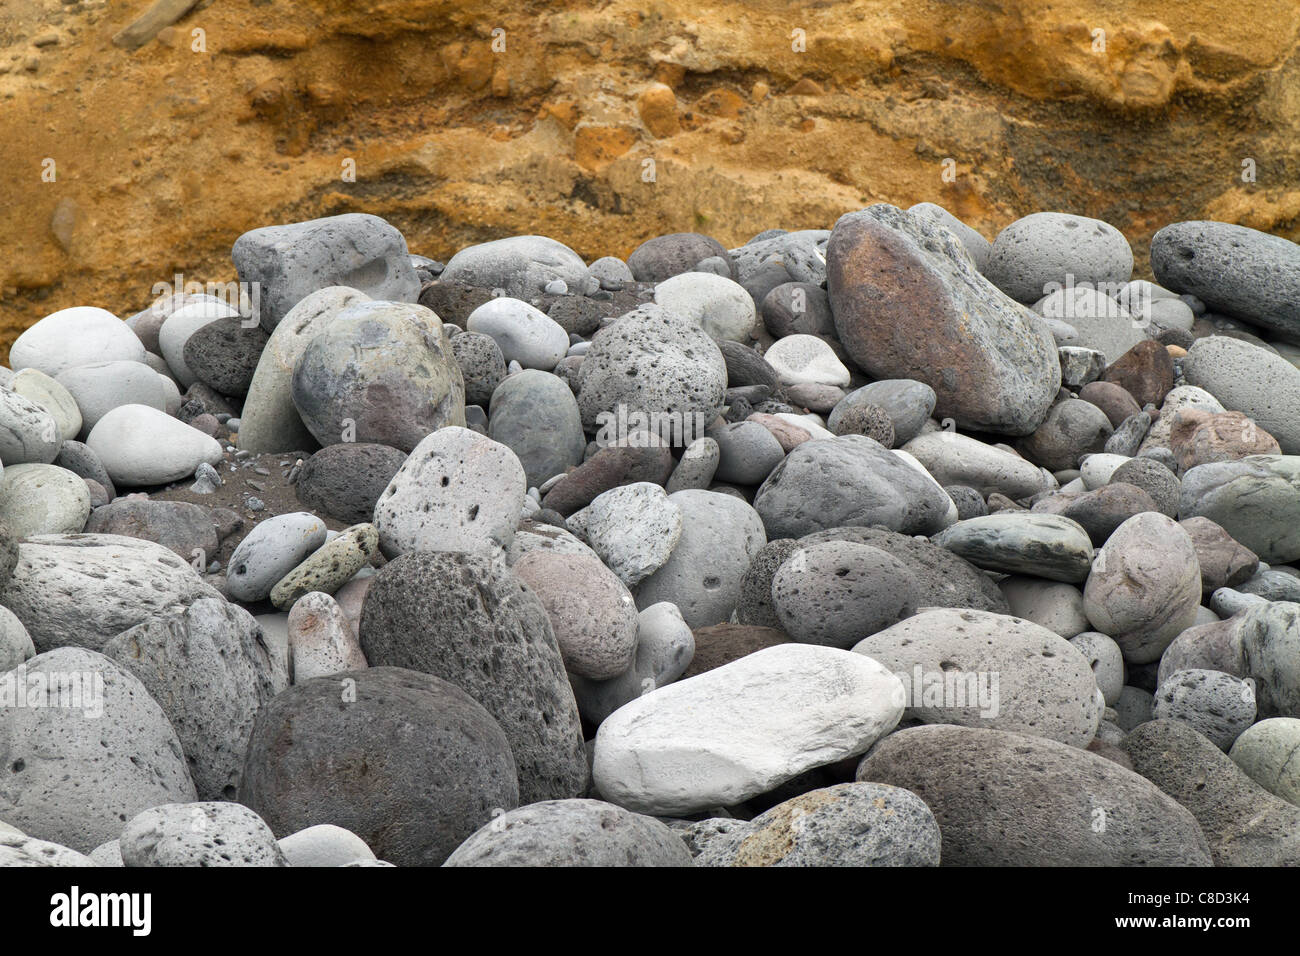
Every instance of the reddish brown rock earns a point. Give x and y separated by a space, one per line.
1225 562
1146 371
787 433
1197 437
908 302
608 468
1111 398
720 644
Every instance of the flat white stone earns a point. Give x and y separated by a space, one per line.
741 729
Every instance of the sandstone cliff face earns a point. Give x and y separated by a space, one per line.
603 124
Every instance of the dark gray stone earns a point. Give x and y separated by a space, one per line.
1243 272
1244 824
344 481
469 620
291 261
1006 799
408 762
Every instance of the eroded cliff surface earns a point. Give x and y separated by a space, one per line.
604 124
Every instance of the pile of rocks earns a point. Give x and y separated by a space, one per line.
816 551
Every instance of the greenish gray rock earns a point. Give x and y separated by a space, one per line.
1269 753
535 415
1041 545
43 499
381 372
1255 499
330 566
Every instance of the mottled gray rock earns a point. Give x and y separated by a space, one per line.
747 452
324 845
795 307
1055 247
1006 799
1245 378
468 620
634 529
90 749
697 466
947 659
1245 273
943 579
665 648
849 480
293 260
1054 605
1267 753
1107 663
457 491
269 421
1244 824
482 366
849 824
43 499
179 526
209 668
521 265
344 481
592 613
1270 651
28 432
46 392
1145 586
1256 500
1215 704
1072 429
838 592
720 536
662 257
381 372
199 834
652 362
81 590
977 247
19 850
572 833
322 639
